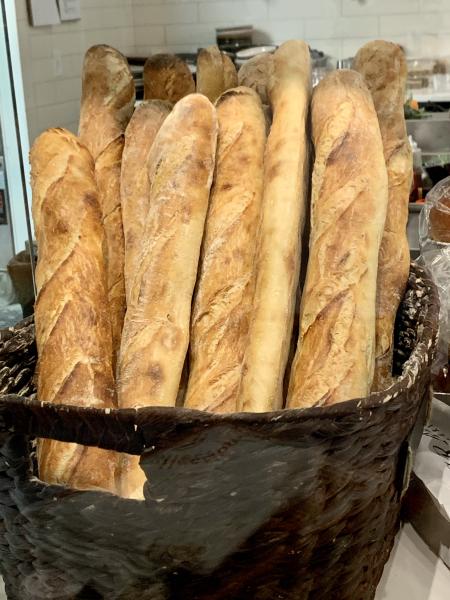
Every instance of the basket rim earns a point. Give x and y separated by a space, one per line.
420 356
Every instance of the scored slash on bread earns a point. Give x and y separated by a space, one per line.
335 354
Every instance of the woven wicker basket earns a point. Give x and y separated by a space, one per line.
287 505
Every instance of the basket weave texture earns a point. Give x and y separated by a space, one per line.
274 506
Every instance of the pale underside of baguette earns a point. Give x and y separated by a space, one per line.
156 330
224 297
256 74
167 77
107 177
73 332
383 66
284 205
135 185
335 355
107 98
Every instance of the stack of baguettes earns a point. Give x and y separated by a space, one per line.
170 240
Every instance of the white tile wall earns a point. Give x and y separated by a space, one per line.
277 31
337 26
347 27
149 35
379 7
147 49
164 14
105 3
192 35
398 24
245 11
52 56
299 9
429 5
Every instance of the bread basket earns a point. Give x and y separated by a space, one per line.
286 505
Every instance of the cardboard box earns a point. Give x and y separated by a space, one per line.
427 501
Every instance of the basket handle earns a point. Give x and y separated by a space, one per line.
122 430
87 426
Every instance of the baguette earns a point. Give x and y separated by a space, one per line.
256 74
210 72
230 78
335 354
215 73
156 330
278 260
107 177
167 77
225 287
383 66
73 334
134 184
107 98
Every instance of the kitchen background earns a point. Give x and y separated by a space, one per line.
52 56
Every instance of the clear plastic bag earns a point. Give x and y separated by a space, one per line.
435 255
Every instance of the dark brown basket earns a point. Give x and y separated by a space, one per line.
275 506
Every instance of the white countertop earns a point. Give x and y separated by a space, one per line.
413 571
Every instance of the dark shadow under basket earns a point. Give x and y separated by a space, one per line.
275 506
